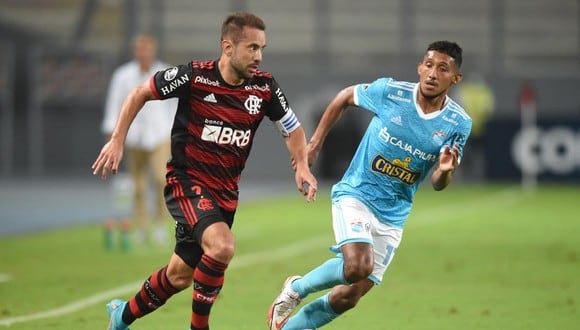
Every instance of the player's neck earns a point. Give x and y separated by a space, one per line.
228 74
429 105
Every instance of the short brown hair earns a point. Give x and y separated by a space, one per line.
234 23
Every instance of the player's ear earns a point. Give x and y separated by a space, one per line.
457 78
227 47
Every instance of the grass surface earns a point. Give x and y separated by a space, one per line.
472 257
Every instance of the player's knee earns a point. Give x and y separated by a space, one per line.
343 300
180 280
359 270
222 250
349 303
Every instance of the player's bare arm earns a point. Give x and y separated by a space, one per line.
296 143
331 116
112 152
448 162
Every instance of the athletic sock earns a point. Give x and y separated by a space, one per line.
208 279
323 277
153 294
312 316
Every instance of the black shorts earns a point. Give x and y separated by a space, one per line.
194 209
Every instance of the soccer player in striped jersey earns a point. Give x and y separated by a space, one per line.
221 104
416 130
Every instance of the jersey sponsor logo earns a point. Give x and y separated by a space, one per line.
156 301
176 82
398 97
282 99
204 298
205 81
170 74
451 120
386 137
226 135
253 104
397 169
263 88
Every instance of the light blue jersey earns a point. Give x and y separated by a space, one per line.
400 147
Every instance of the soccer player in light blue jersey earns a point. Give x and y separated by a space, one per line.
416 130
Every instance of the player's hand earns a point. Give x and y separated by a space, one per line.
306 183
108 159
449 158
312 153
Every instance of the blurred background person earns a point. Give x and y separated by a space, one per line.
477 97
148 140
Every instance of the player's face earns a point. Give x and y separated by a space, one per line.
247 53
437 72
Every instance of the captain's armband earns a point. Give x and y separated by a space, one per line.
288 123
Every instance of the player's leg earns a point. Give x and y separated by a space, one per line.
176 276
218 247
154 292
158 160
351 223
204 224
325 309
137 166
353 264
342 298
386 240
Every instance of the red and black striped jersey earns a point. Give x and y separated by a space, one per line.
215 123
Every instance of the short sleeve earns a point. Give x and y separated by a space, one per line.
370 96
172 82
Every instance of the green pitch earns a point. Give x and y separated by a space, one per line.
472 257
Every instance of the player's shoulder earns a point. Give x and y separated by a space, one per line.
203 65
399 84
457 109
390 83
263 75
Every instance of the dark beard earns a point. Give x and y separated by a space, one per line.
242 74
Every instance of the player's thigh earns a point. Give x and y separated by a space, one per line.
351 221
386 240
194 210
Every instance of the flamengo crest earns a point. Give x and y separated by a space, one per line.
253 104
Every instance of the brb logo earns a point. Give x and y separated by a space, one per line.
226 135
555 150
